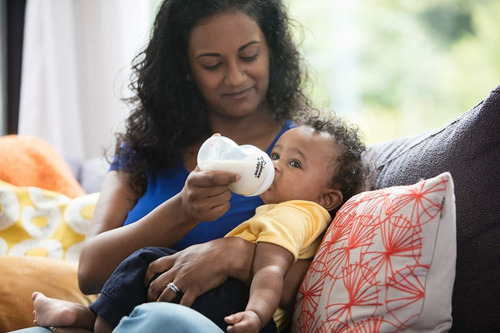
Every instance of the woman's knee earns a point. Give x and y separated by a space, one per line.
154 317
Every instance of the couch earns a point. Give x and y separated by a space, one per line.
468 148
445 179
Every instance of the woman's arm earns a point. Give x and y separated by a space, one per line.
205 196
116 199
202 267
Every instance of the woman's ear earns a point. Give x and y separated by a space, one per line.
331 199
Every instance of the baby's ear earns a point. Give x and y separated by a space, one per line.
331 199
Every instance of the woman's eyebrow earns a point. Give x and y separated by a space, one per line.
208 55
213 54
248 44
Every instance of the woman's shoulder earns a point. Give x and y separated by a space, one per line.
124 154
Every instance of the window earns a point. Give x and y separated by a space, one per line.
399 67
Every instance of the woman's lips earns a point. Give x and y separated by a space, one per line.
238 94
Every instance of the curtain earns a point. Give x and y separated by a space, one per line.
76 68
12 26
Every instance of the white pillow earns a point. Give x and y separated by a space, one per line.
39 222
386 263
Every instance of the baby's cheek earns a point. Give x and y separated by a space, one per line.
272 196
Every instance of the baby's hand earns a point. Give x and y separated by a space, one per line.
246 321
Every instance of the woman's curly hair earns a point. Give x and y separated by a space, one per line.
352 170
169 112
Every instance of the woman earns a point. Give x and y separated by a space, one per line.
211 66
220 66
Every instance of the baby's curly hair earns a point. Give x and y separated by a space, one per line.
352 169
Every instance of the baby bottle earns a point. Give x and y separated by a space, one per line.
255 167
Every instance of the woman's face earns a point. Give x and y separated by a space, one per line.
229 61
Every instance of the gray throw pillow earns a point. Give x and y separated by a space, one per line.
468 148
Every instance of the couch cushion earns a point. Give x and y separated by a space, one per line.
386 263
40 222
468 148
31 161
21 276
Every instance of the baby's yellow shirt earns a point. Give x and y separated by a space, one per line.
295 225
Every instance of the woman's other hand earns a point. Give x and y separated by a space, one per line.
200 268
206 194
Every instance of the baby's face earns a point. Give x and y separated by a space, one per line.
302 162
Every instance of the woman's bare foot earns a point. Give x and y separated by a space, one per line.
51 312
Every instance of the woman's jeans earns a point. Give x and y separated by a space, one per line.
166 317
157 317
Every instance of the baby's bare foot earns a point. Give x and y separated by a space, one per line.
58 313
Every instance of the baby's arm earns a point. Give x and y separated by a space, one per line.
271 262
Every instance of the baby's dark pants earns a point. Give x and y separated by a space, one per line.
125 289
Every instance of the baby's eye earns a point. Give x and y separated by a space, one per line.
275 156
295 164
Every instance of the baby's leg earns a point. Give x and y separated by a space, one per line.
58 313
101 326
125 288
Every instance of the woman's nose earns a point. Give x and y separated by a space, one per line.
235 75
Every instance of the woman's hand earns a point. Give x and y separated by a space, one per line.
205 195
200 268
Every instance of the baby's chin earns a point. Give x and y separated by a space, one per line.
264 199
269 198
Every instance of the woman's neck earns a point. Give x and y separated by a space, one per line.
258 129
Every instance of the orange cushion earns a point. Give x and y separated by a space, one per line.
31 161
21 276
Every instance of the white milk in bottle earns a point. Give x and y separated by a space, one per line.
255 167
